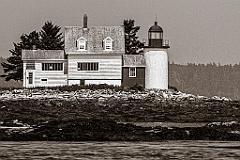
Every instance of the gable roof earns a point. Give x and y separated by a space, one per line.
42 54
94 37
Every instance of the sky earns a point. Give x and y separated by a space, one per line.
199 31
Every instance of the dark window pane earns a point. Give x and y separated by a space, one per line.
87 66
30 78
52 66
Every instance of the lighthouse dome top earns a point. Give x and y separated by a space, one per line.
155 28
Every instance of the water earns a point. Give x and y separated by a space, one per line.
120 150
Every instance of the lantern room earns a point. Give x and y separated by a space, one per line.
155 37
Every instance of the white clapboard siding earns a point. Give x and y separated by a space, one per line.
109 68
54 78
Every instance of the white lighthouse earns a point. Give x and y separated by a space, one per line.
156 72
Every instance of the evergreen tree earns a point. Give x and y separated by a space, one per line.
31 41
132 44
14 68
51 39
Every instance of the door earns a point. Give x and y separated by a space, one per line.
30 79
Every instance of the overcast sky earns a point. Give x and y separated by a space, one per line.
200 31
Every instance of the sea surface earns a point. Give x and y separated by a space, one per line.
39 150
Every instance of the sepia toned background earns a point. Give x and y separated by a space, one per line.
200 32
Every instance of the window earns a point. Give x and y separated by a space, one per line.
44 81
52 66
108 44
88 66
156 35
30 78
30 66
132 72
81 44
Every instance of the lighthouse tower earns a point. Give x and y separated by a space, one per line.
156 71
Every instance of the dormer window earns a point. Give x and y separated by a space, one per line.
81 44
108 43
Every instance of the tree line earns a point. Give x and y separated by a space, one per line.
206 79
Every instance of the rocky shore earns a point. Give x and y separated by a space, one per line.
101 114
102 94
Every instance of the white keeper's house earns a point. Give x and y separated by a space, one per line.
96 55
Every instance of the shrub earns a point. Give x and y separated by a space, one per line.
137 87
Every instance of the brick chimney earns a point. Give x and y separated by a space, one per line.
85 21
